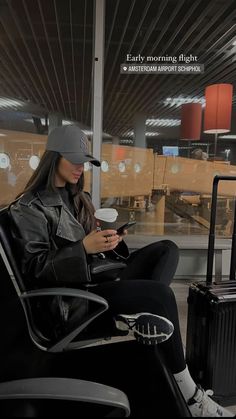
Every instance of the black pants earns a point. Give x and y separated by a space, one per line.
157 261
144 287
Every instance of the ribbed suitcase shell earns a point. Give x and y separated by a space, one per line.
211 339
211 324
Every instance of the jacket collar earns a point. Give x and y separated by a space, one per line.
68 227
50 198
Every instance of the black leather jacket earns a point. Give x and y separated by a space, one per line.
51 253
49 240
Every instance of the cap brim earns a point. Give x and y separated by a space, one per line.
80 158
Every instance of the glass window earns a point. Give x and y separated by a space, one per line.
148 173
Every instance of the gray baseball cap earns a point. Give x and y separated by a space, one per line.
71 143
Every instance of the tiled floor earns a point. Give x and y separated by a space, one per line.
180 288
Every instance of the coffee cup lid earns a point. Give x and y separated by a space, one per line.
106 214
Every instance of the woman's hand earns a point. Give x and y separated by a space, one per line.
100 241
121 236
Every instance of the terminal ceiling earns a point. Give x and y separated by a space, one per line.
47 49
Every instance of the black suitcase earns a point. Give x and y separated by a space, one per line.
211 323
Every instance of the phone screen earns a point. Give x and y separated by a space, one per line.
125 226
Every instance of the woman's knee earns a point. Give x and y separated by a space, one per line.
160 291
171 248
166 292
161 299
170 245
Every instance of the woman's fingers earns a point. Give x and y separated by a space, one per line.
100 241
107 232
111 241
121 236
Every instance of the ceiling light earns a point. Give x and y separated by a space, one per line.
191 121
34 162
4 161
104 166
218 110
129 134
126 141
137 167
66 122
175 168
152 134
165 122
87 132
148 133
121 167
178 101
10 103
87 166
228 137
42 120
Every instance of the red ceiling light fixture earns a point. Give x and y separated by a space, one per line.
191 121
218 109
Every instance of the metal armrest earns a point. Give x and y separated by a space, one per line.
67 389
65 292
66 342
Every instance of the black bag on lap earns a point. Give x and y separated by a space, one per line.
104 268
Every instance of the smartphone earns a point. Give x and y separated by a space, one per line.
125 226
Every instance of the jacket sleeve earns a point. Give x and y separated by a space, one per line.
40 260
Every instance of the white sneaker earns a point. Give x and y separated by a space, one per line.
201 405
149 329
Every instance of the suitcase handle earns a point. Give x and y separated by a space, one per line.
211 240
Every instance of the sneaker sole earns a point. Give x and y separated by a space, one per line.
149 329
152 330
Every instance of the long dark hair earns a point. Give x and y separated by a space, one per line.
44 178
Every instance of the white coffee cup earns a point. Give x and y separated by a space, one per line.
106 218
